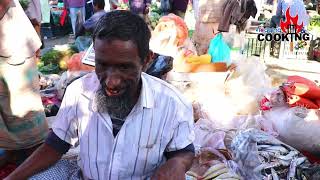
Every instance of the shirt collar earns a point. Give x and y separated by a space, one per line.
91 85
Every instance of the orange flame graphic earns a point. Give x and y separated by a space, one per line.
285 26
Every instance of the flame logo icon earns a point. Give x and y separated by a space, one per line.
291 22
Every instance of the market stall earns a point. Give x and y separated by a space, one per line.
245 127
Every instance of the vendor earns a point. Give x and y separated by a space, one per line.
22 121
129 125
90 24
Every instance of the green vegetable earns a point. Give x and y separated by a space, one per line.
51 57
50 69
24 4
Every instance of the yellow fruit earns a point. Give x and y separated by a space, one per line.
63 65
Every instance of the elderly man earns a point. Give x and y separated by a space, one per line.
22 120
129 125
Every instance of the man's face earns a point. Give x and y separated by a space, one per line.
118 67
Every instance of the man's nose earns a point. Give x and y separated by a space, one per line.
113 80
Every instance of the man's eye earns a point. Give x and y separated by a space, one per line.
124 67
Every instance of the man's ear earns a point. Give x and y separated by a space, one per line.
147 61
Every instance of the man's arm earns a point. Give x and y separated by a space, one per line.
175 168
4 6
180 149
41 159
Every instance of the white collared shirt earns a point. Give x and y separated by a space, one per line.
161 121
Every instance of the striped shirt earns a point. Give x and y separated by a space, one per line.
161 121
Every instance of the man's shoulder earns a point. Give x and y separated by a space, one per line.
163 90
85 83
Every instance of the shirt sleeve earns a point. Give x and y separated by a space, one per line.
183 134
56 143
66 123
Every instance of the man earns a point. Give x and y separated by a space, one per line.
177 7
75 7
22 120
34 14
90 24
129 125
207 14
296 8
140 7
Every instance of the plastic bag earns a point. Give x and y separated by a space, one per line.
261 156
298 127
247 85
219 50
160 66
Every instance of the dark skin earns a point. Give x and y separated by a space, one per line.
117 62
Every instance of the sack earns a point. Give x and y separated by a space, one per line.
160 66
219 50
63 16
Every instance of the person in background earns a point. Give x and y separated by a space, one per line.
207 15
128 124
34 14
75 7
90 24
89 9
140 7
177 7
296 8
23 126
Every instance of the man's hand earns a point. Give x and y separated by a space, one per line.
175 168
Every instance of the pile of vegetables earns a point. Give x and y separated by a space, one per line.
154 14
55 60
314 26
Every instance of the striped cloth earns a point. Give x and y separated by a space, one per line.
161 121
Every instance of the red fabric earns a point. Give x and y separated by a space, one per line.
6 170
294 100
265 104
312 158
318 102
299 79
302 92
63 16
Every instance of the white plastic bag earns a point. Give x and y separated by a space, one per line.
297 127
247 85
